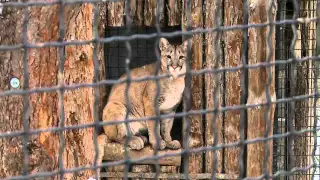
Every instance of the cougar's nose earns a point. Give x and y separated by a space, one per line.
174 66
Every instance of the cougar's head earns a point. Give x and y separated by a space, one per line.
173 57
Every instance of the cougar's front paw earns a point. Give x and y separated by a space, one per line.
173 144
160 146
136 143
145 139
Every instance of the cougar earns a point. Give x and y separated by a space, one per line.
141 98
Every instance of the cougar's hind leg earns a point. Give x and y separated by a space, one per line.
136 140
114 111
117 132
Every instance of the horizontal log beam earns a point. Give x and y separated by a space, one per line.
168 175
115 152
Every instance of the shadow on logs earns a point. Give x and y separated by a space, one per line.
115 152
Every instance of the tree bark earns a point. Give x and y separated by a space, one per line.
196 102
233 56
257 81
210 85
43 67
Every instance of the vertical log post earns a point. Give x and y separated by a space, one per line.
196 102
133 10
174 12
115 15
233 57
102 138
301 110
79 68
43 72
257 81
139 14
101 28
136 12
150 8
210 85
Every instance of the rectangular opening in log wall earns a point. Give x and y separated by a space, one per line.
143 53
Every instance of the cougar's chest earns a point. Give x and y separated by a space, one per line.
171 95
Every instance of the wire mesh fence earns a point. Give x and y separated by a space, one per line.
292 73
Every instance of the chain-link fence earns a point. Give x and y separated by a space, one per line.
251 77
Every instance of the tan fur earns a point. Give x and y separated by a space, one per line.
141 98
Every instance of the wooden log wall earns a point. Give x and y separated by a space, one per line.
257 81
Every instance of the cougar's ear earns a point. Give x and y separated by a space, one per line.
163 44
185 44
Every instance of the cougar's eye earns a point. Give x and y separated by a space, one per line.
168 56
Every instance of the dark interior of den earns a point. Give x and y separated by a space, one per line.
142 53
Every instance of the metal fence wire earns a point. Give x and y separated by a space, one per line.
287 80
